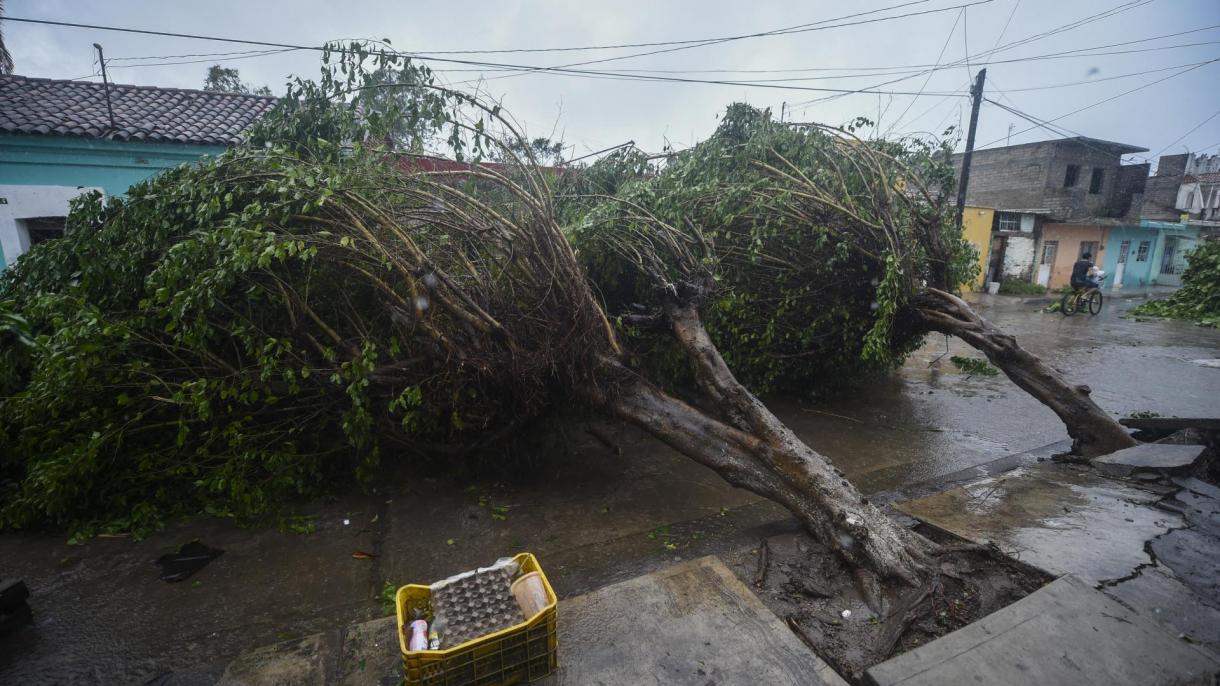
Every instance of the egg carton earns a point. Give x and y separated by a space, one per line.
476 603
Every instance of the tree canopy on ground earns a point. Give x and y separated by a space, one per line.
1198 300
796 300
250 328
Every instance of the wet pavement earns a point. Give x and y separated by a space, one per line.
931 419
593 515
1153 545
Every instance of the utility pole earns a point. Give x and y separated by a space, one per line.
976 93
106 83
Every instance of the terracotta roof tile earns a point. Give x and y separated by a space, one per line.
145 113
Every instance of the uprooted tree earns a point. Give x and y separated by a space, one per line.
818 256
235 332
240 331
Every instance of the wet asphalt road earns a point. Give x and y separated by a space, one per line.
592 516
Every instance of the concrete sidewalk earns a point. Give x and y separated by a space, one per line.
691 624
1153 546
1065 634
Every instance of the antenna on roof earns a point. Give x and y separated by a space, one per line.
106 82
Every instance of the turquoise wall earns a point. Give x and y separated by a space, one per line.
112 165
1140 275
1137 274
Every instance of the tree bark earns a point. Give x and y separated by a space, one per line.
752 449
1094 433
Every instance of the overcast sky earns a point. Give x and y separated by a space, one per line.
594 113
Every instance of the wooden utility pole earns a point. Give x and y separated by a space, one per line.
976 94
101 60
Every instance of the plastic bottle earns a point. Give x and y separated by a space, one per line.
435 633
419 633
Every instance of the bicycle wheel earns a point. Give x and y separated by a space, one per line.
1095 302
1068 305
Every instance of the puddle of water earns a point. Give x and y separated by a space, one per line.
1058 518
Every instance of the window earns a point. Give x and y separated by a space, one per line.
1049 248
1142 254
1069 179
1099 176
1009 221
1089 247
1123 249
44 228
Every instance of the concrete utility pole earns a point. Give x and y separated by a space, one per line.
976 93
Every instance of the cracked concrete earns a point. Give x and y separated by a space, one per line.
1154 547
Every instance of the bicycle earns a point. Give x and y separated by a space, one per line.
1081 299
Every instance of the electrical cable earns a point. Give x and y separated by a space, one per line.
522 68
1024 41
1179 138
939 57
1102 102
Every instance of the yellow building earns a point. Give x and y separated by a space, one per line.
976 229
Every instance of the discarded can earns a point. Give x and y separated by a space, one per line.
435 632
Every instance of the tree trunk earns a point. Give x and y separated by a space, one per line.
752 449
1094 433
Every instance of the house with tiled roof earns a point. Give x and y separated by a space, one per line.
59 139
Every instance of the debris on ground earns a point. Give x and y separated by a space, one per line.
824 606
189 559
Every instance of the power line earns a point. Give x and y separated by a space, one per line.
1006 23
940 56
802 28
189 54
1086 82
1113 97
210 60
799 28
1024 41
790 29
1179 138
519 67
918 68
1060 130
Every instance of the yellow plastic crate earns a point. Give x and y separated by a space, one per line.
522 652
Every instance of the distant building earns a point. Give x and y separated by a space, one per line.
1184 184
57 141
1058 200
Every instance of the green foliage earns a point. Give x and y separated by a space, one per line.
1198 299
542 150
1145 414
228 80
389 597
794 299
974 366
229 335
1018 287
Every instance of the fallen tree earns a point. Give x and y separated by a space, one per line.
830 257
240 331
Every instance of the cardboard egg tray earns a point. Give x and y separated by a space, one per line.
475 605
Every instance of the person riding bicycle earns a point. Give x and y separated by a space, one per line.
1083 272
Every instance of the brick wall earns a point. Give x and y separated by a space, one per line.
1172 165
1160 194
1130 190
1033 175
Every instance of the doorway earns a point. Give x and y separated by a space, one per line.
1049 250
